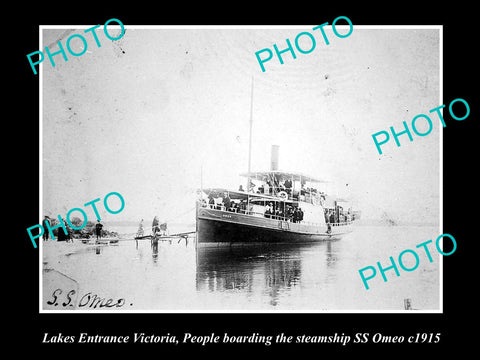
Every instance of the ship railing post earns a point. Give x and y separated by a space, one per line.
196 230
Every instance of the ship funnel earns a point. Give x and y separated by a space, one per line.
274 158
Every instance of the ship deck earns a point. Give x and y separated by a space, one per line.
216 225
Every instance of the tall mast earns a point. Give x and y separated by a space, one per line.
250 134
250 147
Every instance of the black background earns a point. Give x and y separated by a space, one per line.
457 325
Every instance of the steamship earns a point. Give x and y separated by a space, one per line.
274 207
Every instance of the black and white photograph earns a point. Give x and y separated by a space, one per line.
217 181
247 180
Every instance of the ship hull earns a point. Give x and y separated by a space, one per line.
217 228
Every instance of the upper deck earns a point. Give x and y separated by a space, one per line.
286 185
279 195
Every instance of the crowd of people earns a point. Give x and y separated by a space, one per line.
276 187
60 235
271 187
227 204
287 212
276 210
332 217
291 213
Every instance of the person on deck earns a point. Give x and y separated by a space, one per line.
267 211
226 201
242 206
276 185
300 214
269 186
276 214
288 186
280 214
211 201
251 186
289 213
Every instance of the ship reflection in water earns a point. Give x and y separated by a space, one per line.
270 270
323 275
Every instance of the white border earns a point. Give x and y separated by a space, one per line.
440 186
140 27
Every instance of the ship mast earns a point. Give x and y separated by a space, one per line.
250 148
250 135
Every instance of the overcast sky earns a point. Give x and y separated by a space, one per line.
142 116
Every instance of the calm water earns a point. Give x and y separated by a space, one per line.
309 277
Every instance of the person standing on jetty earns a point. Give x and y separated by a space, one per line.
98 229
155 226
44 224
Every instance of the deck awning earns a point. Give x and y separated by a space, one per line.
218 192
242 195
264 175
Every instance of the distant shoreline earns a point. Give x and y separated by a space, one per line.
361 222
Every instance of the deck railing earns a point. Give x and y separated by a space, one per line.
269 216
